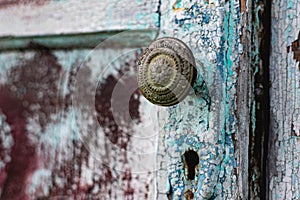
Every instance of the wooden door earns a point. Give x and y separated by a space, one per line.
74 124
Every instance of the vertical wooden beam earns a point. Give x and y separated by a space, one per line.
284 141
218 130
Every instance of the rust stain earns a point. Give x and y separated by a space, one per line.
128 189
9 3
189 195
31 90
176 6
117 133
296 49
243 5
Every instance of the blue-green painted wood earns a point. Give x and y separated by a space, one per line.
206 122
130 38
89 160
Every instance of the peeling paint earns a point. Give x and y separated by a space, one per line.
22 97
283 159
296 50
58 162
212 30
32 17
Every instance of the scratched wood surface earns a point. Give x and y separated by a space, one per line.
83 131
284 142
74 126
65 133
50 17
205 122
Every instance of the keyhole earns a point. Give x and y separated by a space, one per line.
192 160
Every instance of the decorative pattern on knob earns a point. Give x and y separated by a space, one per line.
166 71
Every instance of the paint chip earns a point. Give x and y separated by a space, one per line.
296 50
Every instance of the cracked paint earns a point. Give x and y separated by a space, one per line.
205 121
284 144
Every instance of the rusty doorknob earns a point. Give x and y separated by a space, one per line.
166 71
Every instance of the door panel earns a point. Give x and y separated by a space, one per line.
75 126
76 24
65 132
52 17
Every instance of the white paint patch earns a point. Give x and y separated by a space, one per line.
80 16
40 183
6 142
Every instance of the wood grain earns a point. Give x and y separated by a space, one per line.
27 18
74 126
284 144
84 131
207 121
130 38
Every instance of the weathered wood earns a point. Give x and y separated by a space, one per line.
77 24
73 126
243 106
284 144
130 38
86 136
50 17
253 99
207 121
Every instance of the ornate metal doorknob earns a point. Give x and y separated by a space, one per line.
166 71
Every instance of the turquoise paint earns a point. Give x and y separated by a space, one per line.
208 29
139 2
287 33
140 17
155 17
230 60
178 4
139 38
181 137
291 5
258 9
